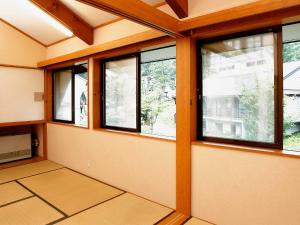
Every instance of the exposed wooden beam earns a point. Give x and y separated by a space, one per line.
139 12
180 7
265 20
239 12
62 13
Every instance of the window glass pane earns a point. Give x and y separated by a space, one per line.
238 88
63 95
81 96
120 93
158 95
291 87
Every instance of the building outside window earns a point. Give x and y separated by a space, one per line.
238 102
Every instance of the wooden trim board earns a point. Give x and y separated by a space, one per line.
140 37
22 123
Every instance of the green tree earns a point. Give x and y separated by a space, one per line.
157 86
288 118
291 52
257 105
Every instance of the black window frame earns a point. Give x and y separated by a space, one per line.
74 72
138 92
278 90
138 88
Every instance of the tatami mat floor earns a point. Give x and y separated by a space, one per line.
48 193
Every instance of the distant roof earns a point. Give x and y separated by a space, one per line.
291 77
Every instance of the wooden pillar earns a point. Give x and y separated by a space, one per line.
186 120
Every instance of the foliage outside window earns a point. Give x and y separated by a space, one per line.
238 89
70 102
158 92
139 93
291 91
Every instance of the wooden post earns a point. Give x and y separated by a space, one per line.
186 120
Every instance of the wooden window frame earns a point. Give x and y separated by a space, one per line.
137 129
278 91
72 121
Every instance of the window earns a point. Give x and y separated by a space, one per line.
121 105
158 92
139 93
63 101
291 87
70 95
238 105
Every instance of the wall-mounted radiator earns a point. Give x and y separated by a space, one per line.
15 147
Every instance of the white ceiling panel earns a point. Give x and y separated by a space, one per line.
20 14
91 15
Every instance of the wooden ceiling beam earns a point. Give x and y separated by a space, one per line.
180 7
68 18
139 12
239 12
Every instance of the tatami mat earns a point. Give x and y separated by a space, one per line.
32 211
126 209
195 221
11 192
18 172
69 191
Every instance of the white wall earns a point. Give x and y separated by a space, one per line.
232 187
18 85
17 94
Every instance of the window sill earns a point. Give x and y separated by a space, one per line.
68 125
219 146
153 137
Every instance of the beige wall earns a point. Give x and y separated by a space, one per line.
202 7
111 32
240 188
18 49
142 166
